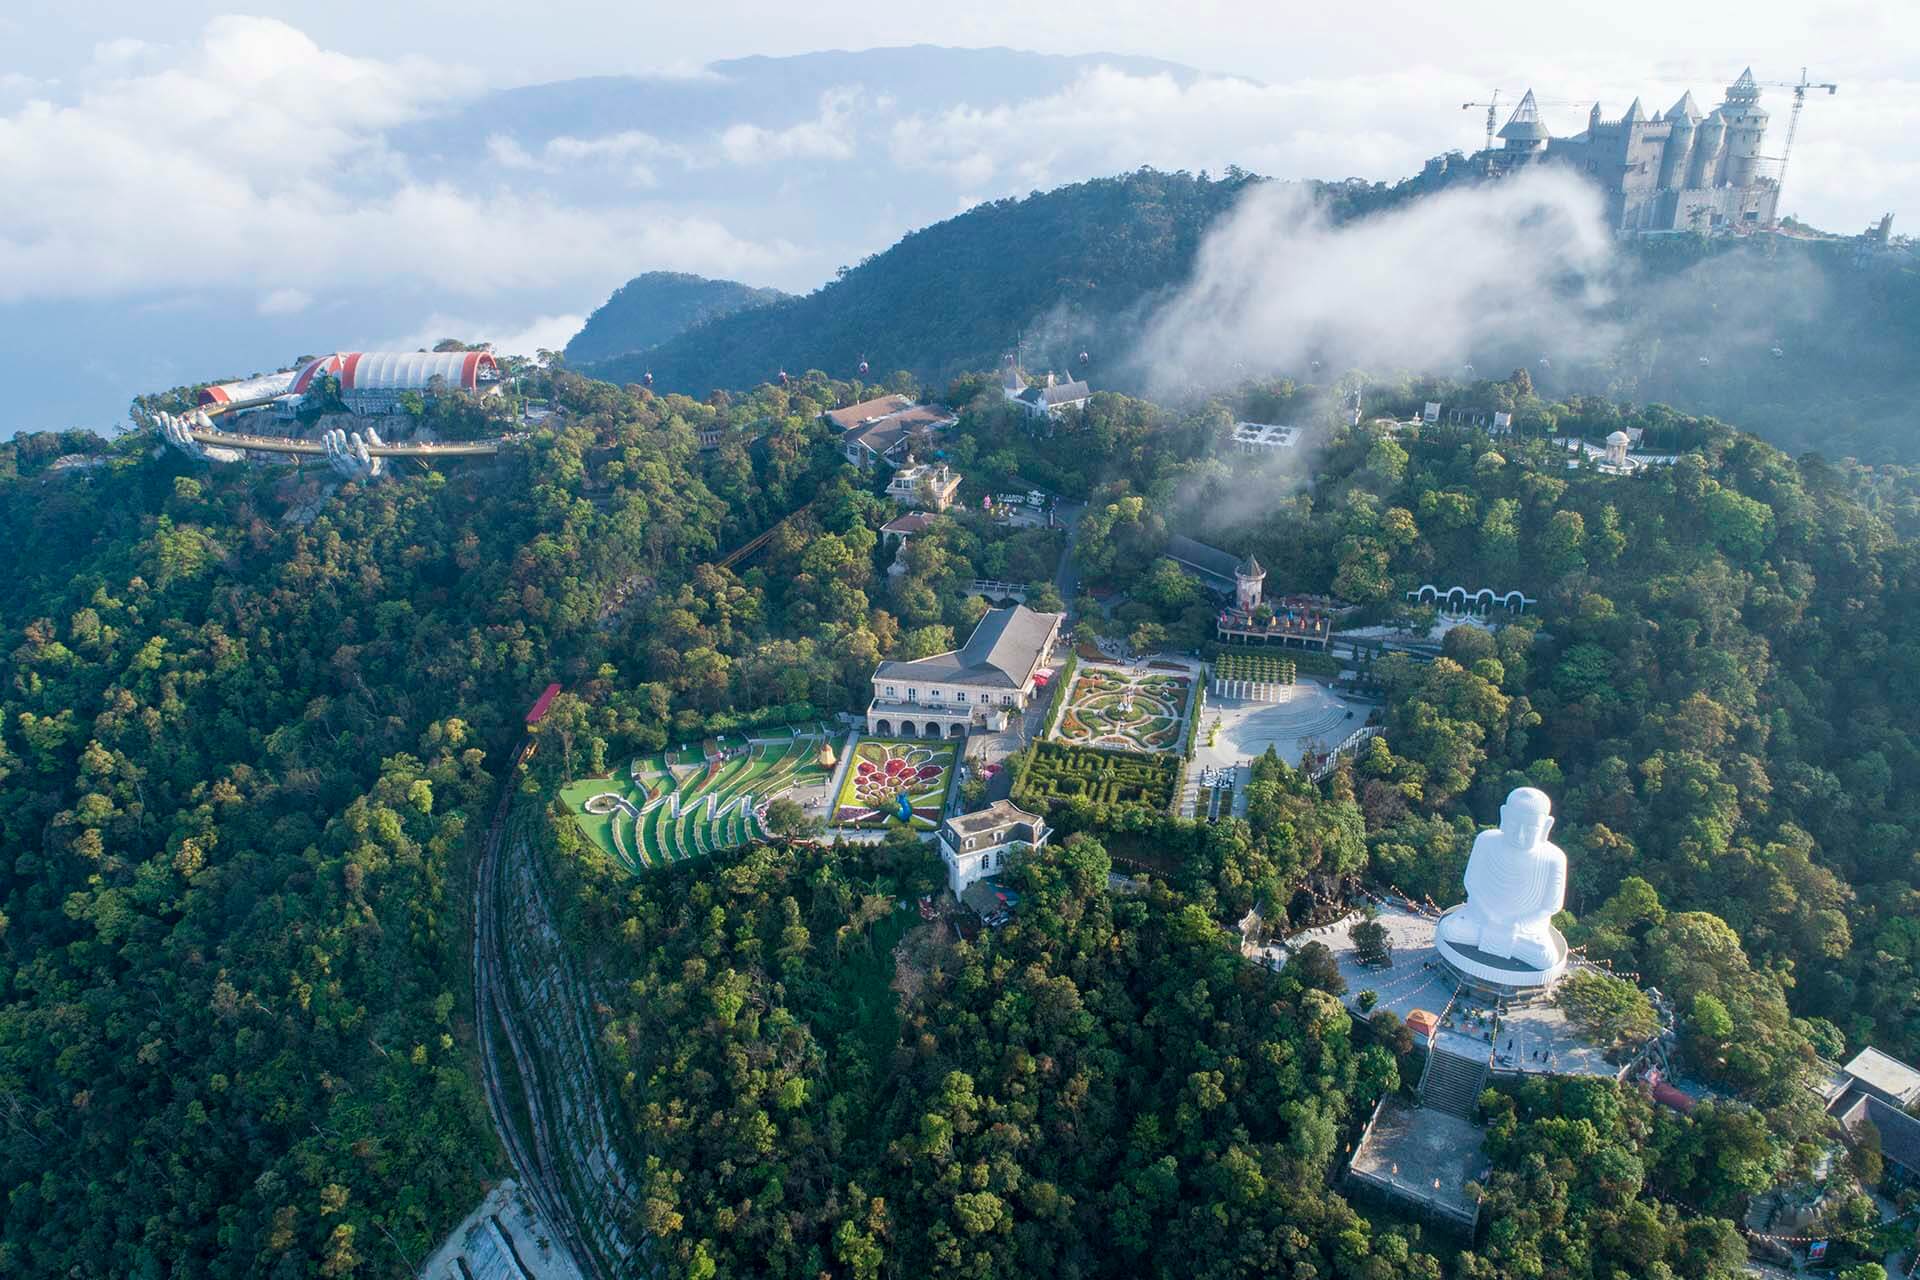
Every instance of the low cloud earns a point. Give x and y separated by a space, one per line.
828 136
630 154
509 337
285 302
1492 273
1107 120
272 166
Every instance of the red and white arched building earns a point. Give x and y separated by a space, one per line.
371 382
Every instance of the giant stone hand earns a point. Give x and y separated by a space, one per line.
177 429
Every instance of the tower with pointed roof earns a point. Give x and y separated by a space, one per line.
1248 581
1683 121
1746 123
1524 132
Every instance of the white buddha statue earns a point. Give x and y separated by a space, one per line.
1516 880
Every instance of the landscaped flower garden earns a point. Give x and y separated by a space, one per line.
1124 711
895 783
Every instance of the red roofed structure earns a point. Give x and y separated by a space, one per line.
541 704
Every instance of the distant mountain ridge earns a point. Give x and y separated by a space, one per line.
651 308
1059 272
770 92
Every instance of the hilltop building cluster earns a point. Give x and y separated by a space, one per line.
1677 170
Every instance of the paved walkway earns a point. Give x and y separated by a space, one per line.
1316 716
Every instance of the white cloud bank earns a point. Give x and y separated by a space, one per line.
253 158
1518 264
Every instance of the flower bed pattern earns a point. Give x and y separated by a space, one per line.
884 774
1124 711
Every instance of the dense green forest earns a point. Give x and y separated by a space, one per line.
254 720
243 761
655 306
1688 684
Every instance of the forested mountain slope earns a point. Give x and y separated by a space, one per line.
1067 270
243 762
651 308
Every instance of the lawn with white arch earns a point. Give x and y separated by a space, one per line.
664 808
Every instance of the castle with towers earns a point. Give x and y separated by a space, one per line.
1670 171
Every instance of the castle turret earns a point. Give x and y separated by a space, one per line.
1248 578
1674 162
1746 127
1524 131
1708 143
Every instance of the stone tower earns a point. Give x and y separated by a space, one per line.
1746 126
1684 119
1525 133
1248 578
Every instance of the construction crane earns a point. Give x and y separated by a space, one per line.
1799 88
1492 105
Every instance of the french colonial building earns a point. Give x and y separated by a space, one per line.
982 683
977 845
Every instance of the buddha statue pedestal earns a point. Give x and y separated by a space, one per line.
1502 939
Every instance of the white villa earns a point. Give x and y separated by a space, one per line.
982 683
924 485
1048 398
976 845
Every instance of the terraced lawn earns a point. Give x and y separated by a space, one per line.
659 802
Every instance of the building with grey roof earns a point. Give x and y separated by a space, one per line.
1049 397
1870 1097
1885 1076
993 675
977 845
882 431
1219 568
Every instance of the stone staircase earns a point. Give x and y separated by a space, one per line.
1453 1079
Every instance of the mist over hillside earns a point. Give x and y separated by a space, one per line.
1178 286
